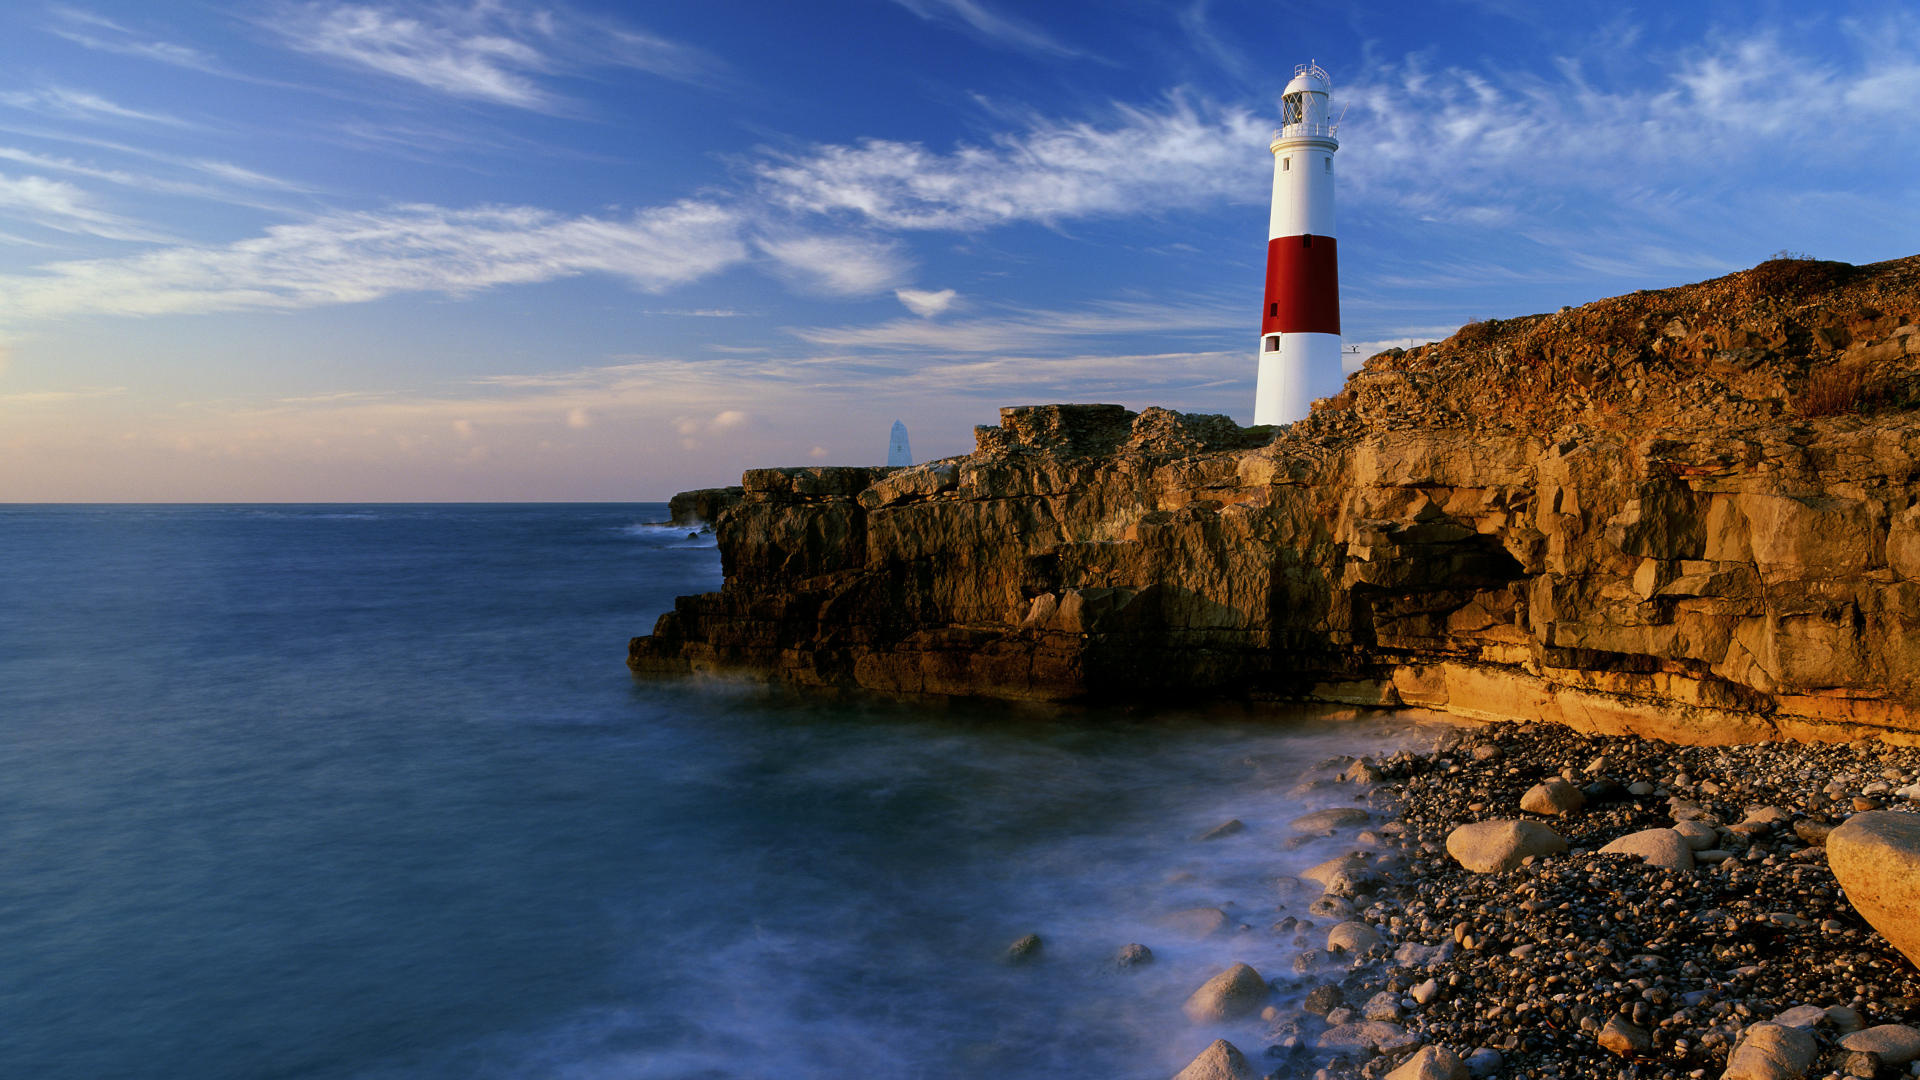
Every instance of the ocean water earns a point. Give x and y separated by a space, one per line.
367 792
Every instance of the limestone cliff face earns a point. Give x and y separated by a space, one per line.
1672 576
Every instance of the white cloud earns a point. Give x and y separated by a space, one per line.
1178 154
1028 330
488 51
353 257
727 420
58 205
837 265
991 25
86 28
579 419
81 105
925 303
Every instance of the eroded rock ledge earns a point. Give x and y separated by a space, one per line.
1664 576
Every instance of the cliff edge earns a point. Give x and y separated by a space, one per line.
1691 513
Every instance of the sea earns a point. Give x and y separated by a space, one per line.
366 792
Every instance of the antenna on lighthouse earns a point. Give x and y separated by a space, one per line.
1299 358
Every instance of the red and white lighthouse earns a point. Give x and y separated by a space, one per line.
1300 324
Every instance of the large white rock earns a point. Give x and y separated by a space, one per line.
1876 857
1655 847
1352 936
1771 1052
1896 1044
1553 798
1431 1063
1490 847
1698 834
1236 992
1221 1061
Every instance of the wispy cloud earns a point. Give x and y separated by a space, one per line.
355 257
97 32
1028 330
1177 154
82 105
991 25
58 205
488 51
926 303
837 265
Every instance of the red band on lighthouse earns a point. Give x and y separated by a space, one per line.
1303 286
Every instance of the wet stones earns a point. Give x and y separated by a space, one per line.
1655 847
1024 950
1220 1061
1236 992
1133 956
1876 857
1491 847
1223 830
1323 999
1324 822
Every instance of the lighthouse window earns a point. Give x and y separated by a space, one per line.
1273 344
1286 164
1306 240
1273 310
1329 162
1292 107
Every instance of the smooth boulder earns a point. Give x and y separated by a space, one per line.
1352 936
1897 1044
1431 1063
1876 858
1490 847
1220 1061
1772 1052
1236 992
1655 847
1553 798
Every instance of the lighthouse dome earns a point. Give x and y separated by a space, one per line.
1309 78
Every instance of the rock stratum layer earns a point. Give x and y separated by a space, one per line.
1691 513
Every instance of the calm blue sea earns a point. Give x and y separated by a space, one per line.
367 792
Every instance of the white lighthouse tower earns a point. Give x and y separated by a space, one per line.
1300 323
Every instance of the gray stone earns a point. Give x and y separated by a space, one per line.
1897 1044
1352 937
1236 992
1484 1062
1846 1019
1197 922
1224 829
1023 950
1133 955
1365 1035
1490 847
1655 847
1431 1063
1771 1052
1326 821
1698 835
1382 1006
1552 798
1425 992
1323 999
1802 1016
1876 858
1220 1061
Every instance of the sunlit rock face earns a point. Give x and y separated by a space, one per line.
1627 562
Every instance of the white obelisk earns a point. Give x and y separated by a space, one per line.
898 453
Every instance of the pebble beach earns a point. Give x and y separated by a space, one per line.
1529 901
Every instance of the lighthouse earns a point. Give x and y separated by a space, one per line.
1300 323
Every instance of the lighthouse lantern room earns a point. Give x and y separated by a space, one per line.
1300 324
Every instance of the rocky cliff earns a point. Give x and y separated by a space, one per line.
1692 512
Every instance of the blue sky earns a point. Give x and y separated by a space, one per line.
516 250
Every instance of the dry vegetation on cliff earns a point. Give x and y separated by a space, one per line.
1789 338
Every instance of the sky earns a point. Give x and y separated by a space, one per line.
515 250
